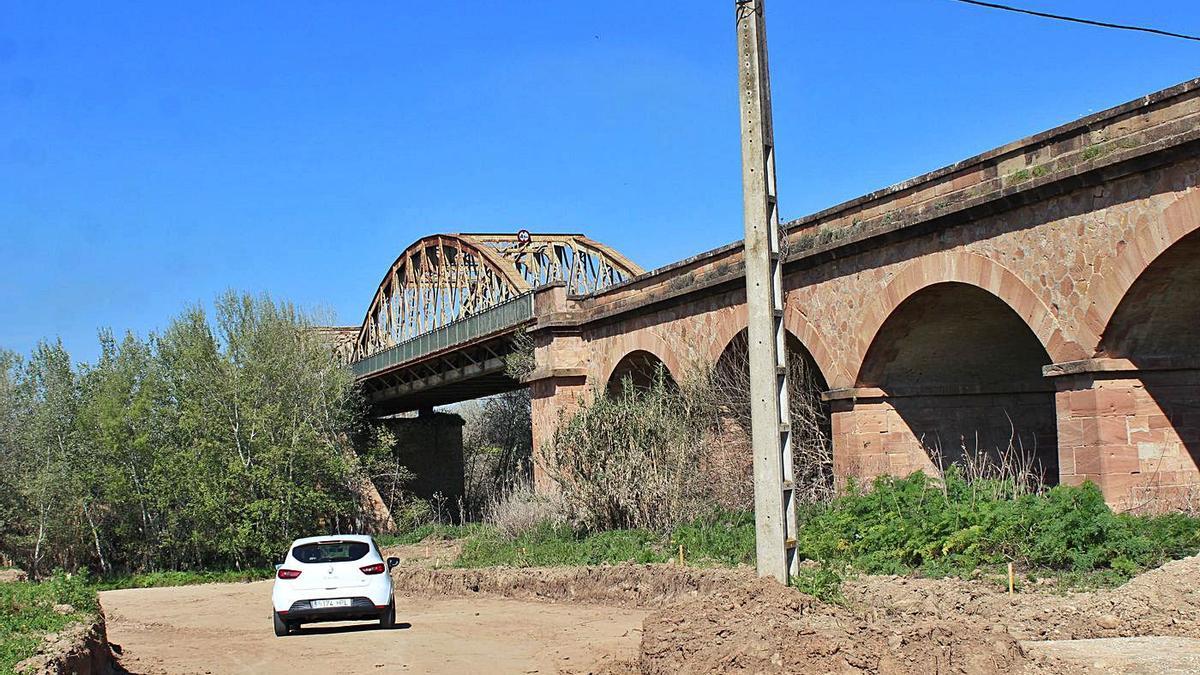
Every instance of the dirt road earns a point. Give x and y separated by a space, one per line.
226 628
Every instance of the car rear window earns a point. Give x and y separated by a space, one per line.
330 551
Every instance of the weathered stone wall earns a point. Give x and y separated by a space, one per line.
902 434
1136 433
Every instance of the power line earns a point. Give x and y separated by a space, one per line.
1088 22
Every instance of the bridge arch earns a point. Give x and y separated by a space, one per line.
1179 222
809 416
638 353
975 270
639 369
798 327
954 373
1156 329
1158 318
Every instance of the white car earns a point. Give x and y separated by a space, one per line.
340 577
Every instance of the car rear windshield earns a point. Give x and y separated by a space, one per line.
330 551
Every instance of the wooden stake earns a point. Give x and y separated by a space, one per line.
681 555
1010 578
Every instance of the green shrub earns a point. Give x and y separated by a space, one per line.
549 545
725 538
420 533
630 458
822 582
956 527
184 578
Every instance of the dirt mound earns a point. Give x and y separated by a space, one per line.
626 585
1112 656
11 574
1165 601
80 648
762 626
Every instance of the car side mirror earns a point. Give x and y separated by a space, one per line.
393 562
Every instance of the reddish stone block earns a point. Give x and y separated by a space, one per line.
1079 479
1120 459
1066 461
1102 402
1159 421
1105 431
1070 433
1088 461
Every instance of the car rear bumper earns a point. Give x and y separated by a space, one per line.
361 608
378 590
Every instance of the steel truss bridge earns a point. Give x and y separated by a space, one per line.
453 307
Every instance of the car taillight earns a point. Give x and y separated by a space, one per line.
287 574
377 568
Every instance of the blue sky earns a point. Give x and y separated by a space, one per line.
154 154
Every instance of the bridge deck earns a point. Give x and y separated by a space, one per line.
461 360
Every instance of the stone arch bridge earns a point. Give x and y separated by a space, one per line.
1045 294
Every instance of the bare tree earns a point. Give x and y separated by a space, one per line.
812 450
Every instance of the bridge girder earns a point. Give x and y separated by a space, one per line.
445 277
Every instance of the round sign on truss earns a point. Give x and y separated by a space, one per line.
523 236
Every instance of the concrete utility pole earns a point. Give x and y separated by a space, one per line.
774 510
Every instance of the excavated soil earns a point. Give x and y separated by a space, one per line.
1164 601
628 585
718 620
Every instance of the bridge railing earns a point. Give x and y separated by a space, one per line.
493 320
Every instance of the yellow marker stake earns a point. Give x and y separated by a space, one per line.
1010 578
681 554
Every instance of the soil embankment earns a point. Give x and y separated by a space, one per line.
80 649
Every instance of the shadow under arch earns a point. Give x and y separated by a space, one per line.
639 369
1156 327
963 373
809 415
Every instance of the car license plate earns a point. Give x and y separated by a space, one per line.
340 602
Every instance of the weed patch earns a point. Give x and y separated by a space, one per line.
27 613
720 538
429 530
960 528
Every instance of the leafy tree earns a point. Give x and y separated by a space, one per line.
212 444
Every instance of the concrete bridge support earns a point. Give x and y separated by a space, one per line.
431 446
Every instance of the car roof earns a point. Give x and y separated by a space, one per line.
365 538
